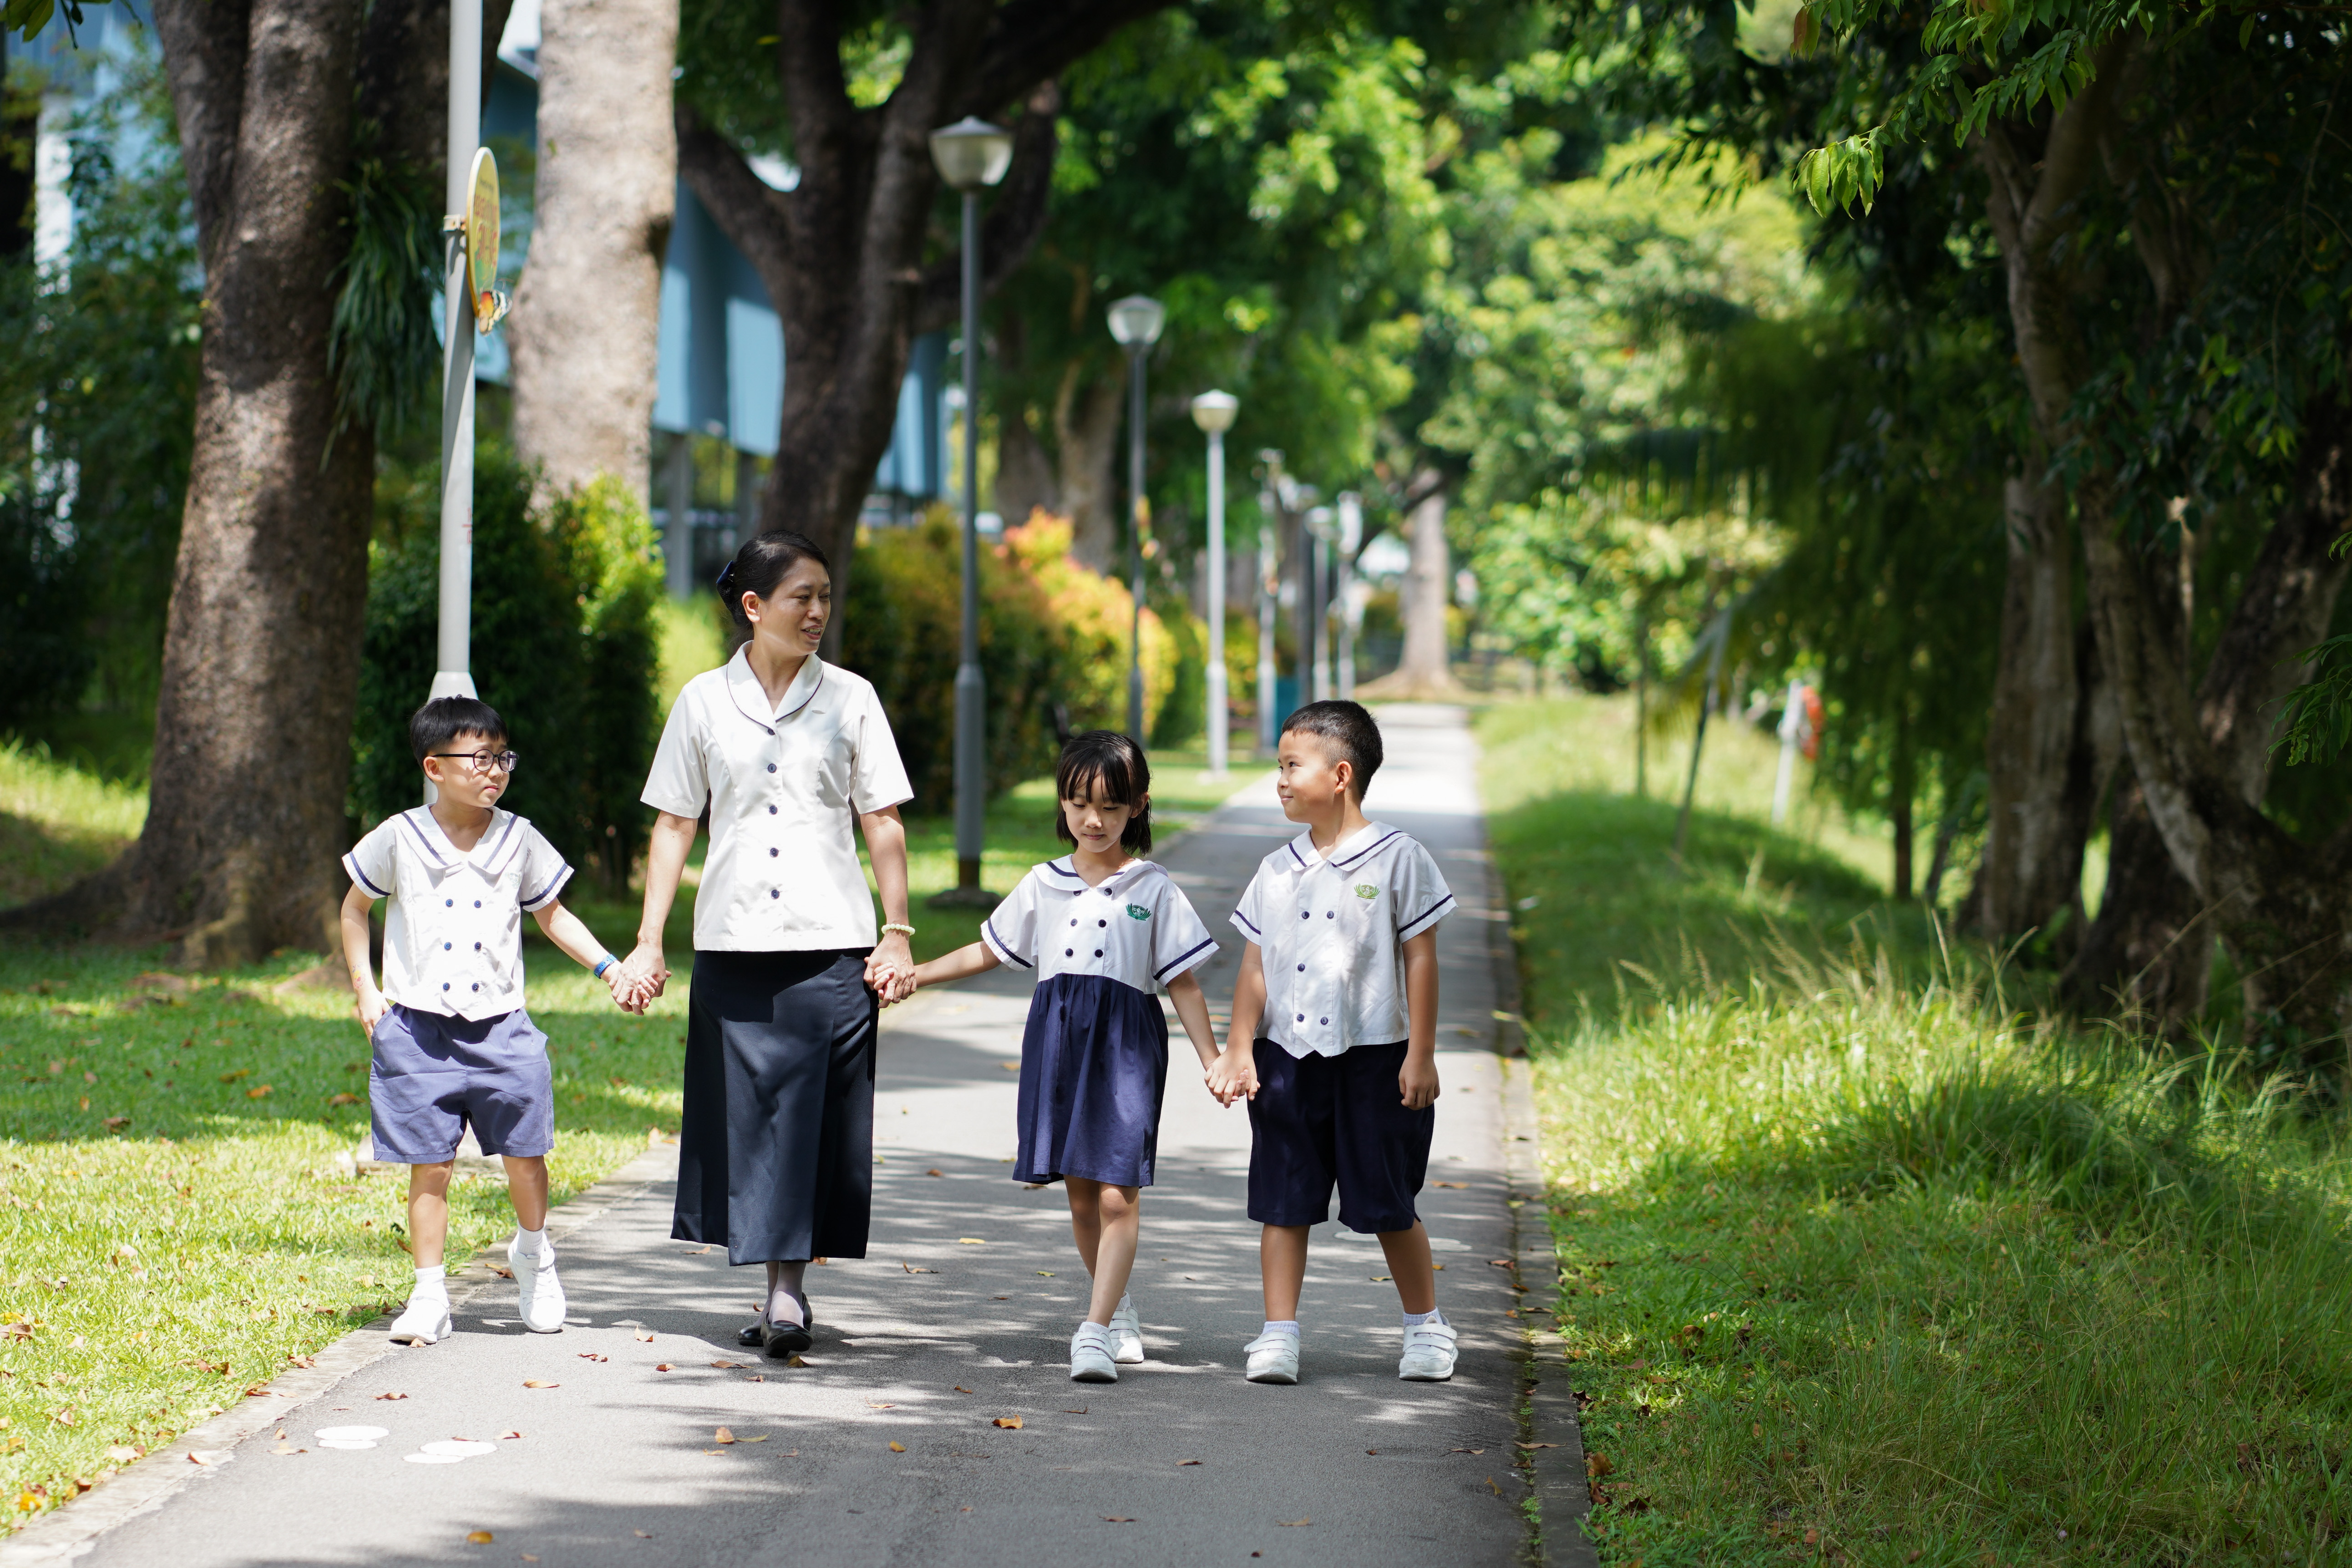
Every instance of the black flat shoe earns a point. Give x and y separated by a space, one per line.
753 1335
781 1339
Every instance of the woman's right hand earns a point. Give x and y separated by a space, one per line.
643 974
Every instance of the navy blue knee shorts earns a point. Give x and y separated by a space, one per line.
433 1075
1324 1122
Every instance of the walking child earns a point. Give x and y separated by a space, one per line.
1338 977
1101 928
451 1044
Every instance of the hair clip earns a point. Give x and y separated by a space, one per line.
725 576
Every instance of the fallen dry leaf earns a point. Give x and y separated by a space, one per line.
346 1098
871 1405
510 1436
530 1383
1116 1519
115 1124
723 1435
1457 1184
478 1538
391 1397
1499 1263
970 1241
592 1355
663 1366
729 1366
960 1388
1182 1463
794 1360
898 1447
1599 1465
760 1438
1469 1450
1010 1423
1292 1523
123 1455
1539 1445
193 1460
1010 1066
642 1534
645 1334
1081 1410
935 1171
257 1092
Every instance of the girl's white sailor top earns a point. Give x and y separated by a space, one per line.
784 785
1330 931
453 931
1136 926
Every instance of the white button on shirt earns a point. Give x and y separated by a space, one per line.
1331 932
452 932
1136 926
784 785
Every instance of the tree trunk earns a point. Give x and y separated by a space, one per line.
2149 954
586 326
1025 473
1085 429
1426 669
1903 788
841 253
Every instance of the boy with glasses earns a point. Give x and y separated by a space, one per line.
451 1044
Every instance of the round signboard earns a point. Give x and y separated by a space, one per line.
482 237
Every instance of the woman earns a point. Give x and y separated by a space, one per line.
776 1145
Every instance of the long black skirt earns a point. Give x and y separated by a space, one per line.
776 1143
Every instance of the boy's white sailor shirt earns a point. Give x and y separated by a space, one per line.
784 785
453 931
1136 926
1330 931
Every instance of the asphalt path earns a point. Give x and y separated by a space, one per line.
933 1420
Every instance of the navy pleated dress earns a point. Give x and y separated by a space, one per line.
1094 1057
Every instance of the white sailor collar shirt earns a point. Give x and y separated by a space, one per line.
1330 931
785 783
453 930
1135 926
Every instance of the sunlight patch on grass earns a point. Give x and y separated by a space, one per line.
57 822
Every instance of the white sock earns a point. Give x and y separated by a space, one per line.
528 1242
433 1281
1414 1320
1288 1326
1124 1306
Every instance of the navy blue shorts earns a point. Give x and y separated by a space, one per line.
1321 1121
432 1075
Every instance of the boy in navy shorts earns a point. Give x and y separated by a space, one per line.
450 1043
1339 977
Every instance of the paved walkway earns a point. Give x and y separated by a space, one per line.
894 1443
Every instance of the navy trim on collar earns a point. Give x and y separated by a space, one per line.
494 863
423 840
1295 854
770 722
1358 855
1060 869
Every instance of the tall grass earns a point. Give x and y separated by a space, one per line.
58 822
1859 1254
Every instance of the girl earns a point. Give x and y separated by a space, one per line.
1102 928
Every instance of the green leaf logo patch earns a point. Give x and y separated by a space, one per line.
1138 912
1366 891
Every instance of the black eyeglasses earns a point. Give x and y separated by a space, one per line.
483 762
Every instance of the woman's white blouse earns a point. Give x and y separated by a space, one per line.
784 787
1136 926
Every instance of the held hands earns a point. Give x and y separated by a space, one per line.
1232 1075
637 979
890 968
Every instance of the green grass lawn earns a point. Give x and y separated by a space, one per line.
1862 1263
177 1227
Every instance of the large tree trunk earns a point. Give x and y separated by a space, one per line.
2149 954
586 327
1085 429
261 648
1426 669
841 253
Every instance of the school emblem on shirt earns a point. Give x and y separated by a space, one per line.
1366 891
1138 912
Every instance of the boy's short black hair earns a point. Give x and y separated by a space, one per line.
432 727
1348 727
1115 762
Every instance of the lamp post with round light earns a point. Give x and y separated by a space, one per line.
970 154
1213 412
1135 323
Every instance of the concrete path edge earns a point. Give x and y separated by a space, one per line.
146 1484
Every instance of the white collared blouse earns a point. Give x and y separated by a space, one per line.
1330 931
784 786
1135 926
453 931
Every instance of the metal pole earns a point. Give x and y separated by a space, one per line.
1267 588
1220 710
970 692
452 675
1135 540
1351 535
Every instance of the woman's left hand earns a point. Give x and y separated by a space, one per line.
891 960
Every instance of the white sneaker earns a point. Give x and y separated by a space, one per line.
1273 1358
1125 1336
425 1321
1090 1360
539 1294
1428 1352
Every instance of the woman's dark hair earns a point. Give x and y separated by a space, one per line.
764 562
1107 758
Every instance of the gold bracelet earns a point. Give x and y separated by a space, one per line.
901 927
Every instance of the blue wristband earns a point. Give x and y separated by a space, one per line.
607 963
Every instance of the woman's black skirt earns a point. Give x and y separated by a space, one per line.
776 1145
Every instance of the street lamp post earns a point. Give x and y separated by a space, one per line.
452 664
1135 323
1269 589
1213 412
1351 538
970 154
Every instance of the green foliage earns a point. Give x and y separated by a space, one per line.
25 19
381 343
565 646
97 399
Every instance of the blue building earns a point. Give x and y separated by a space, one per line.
720 388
